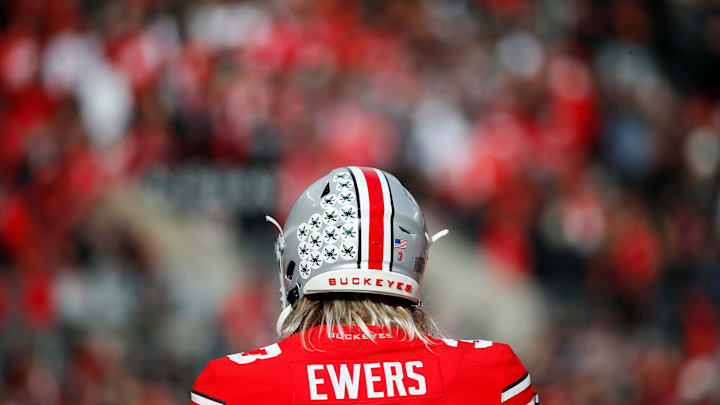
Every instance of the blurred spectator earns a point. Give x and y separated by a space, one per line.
575 142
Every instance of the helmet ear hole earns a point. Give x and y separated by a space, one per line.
326 191
290 270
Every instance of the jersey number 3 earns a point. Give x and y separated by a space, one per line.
266 352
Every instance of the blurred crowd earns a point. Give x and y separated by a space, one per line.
574 142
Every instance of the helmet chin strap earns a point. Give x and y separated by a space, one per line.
438 235
273 221
281 319
279 248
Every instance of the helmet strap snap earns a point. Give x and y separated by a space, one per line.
293 295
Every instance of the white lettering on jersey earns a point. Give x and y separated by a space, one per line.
370 380
266 352
409 369
479 344
346 382
314 381
394 379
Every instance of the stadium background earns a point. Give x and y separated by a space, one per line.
571 147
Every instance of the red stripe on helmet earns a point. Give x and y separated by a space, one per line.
376 231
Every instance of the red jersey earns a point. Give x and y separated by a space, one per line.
350 368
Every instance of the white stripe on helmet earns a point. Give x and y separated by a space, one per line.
387 216
364 213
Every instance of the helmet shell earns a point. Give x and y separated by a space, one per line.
357 229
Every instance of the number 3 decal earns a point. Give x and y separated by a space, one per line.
266 352
400 256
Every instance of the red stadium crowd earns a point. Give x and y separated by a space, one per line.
564 138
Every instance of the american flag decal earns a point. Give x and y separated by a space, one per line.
400 243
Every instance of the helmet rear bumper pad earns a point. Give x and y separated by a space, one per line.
364 281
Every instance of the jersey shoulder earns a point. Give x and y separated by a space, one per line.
494 363
476 354
244 377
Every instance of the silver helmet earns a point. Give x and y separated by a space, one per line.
357 230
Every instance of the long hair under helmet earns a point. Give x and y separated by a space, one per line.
355 230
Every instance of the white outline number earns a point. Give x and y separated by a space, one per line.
266 352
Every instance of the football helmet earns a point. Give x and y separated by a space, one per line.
357 230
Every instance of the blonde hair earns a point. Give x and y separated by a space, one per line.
360 310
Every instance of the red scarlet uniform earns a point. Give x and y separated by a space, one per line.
356 370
